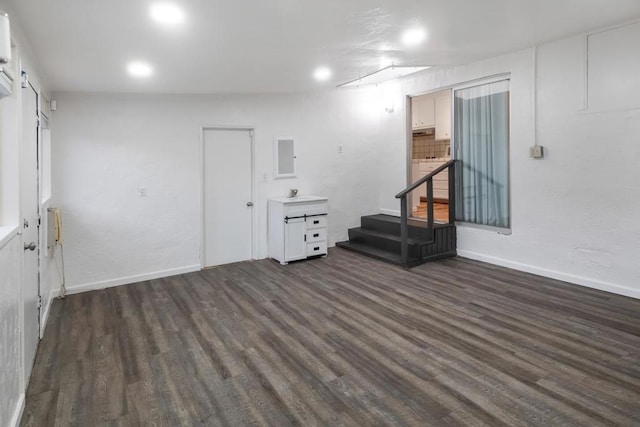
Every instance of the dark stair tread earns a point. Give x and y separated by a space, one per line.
410 222
377 253
394 237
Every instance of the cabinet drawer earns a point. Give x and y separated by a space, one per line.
317 248
316 235
300 209
316 222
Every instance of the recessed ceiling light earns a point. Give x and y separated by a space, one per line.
167 13
413 36
322 74
139 69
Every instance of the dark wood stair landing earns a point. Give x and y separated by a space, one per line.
379 237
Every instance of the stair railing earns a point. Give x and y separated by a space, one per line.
428 180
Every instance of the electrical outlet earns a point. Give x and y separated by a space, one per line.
536 152
142 191
340 149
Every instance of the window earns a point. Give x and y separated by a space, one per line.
481 135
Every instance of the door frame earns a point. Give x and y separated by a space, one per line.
409 138
254 211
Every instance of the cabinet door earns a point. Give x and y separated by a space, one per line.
422 112
415 114
427 113
443 116
294 245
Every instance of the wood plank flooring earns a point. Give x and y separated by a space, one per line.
344 340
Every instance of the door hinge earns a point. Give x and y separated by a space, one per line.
39 221
39 301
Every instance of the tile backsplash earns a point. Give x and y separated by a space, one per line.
426 146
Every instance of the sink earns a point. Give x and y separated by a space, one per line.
301 199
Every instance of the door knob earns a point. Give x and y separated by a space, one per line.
249 204
31 246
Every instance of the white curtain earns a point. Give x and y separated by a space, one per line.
481 121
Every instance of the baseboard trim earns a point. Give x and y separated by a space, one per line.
131 279
17 413
577 280
45 316
389 212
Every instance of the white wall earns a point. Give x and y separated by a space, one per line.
106 146
11 387
566 222
575 213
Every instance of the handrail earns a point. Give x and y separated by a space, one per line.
424 179
428 179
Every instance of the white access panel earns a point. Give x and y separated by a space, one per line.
613 68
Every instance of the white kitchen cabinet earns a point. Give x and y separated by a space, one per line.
422 112
297 227
440 181
443 116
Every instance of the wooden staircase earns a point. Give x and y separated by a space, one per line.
379 237
405 241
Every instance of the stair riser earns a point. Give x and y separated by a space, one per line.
382 243
392 228
378 237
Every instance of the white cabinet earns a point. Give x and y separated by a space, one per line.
433 110
422 112
297 227
443 116
440 181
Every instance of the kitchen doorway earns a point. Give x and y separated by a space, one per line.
429 148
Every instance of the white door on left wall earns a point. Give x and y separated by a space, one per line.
29 205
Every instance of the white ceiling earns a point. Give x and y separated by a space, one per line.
250 46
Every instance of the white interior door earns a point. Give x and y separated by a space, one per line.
29 208
228 203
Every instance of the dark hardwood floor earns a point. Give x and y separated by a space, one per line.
343 340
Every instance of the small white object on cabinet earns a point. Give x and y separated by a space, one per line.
297 227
